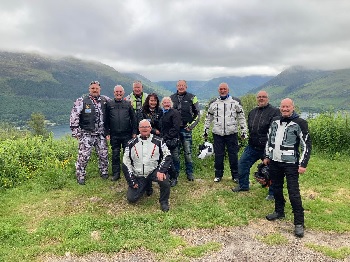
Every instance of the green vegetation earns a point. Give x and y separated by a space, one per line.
311 90
45 212
330 133
201 250
273 239
37 125
339 253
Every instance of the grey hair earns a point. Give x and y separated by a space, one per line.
167 97
137 82
145 121
117 87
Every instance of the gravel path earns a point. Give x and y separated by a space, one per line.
237 244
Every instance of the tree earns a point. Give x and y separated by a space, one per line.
37 125
248 102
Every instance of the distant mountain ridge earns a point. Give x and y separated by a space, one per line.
206 90
311 90
36 83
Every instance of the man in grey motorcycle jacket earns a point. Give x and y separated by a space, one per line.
228 118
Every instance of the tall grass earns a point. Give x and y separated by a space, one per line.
330 133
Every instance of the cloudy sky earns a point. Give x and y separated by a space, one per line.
183 39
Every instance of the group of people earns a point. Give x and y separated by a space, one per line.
151 133
155 129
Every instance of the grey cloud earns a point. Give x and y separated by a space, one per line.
196 38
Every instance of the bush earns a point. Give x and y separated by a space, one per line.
27 157
330 133
8 131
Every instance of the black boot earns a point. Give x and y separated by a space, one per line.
274 216
115 177
299 230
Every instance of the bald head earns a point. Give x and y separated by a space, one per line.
287 107
223 89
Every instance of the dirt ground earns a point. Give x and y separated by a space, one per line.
237 244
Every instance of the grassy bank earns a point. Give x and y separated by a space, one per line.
39 217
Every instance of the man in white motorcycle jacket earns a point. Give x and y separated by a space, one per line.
146 159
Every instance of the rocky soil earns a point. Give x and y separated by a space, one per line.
237 244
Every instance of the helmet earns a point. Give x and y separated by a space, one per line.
263 175
205 150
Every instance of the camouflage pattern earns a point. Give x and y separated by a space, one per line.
86 143
89 139
75 117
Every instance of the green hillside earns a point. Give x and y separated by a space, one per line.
35 83
148 85
32 83
312 90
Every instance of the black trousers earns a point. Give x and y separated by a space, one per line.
118 142
231 142
279 170
145 183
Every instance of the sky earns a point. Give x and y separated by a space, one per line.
183 39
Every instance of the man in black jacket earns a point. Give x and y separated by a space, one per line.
121 126
87 125
188 106
259 120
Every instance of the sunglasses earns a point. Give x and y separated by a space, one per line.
95 83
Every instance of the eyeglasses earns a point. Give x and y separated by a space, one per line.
95 83
261 97
144 126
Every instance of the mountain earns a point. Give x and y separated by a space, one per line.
193 86
205 90
239 86
36 83
311 90
147 84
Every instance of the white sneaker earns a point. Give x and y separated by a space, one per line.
217 179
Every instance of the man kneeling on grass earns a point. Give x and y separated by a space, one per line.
146 159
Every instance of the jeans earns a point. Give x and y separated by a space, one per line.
186 143
279 170
173 173
231 142
247 160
